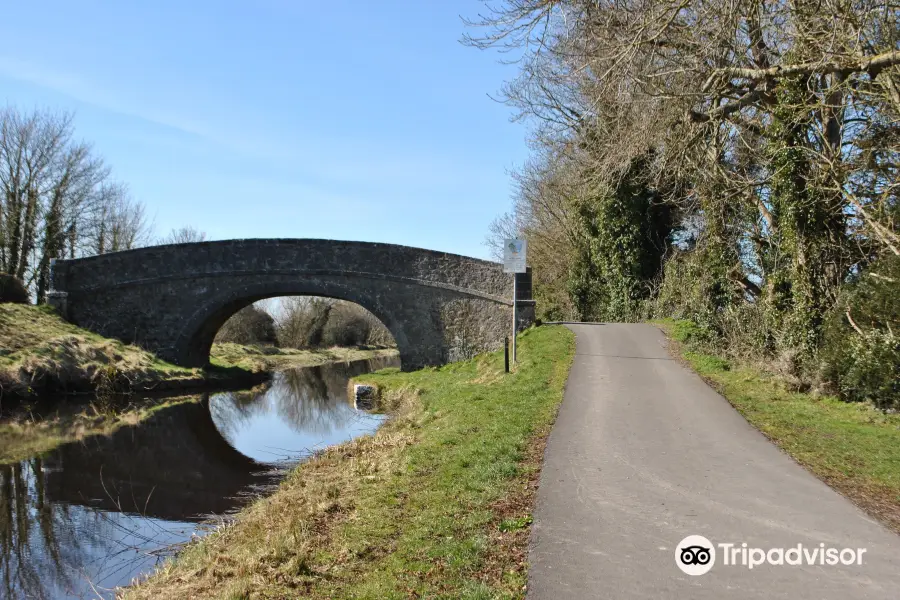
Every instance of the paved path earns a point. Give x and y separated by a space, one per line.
644 454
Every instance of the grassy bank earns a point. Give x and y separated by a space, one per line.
269 358
436 504
42 354
855 448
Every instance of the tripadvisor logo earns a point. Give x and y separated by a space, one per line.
696 555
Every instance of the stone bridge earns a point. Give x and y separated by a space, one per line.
173 299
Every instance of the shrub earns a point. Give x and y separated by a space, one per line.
745 332
13 290
303 321
687 332
685 293
250 325
874 298
870 369
860 361
347 326
312 322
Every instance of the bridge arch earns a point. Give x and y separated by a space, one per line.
196 336
173 299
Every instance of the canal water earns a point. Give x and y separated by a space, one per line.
94 515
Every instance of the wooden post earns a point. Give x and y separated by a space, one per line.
515 315
506 354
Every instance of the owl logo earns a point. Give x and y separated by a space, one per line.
695 555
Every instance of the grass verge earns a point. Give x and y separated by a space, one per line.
855 448
42 353
436 504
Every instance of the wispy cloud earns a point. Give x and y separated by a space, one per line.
355 162
92 93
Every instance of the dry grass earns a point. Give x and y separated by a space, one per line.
273 549
21 327
41 353
488 373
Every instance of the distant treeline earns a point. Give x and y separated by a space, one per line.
306 322
731 163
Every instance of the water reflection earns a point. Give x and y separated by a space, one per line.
52 549
93 515
303 410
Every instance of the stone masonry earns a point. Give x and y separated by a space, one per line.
173 299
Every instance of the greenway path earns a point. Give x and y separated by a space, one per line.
644 454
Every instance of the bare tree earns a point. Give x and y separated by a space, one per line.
30 147
118 223
309 322
302 320
184 235
700 81
57 198
250 325
71 193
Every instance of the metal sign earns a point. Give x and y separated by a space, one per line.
514 256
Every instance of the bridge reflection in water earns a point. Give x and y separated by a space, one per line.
93 515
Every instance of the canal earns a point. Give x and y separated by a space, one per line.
93 515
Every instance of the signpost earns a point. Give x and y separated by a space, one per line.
514 252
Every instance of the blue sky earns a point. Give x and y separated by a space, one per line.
277 118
